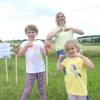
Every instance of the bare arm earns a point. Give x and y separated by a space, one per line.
22 50
50 36
87 61
59 67
78 31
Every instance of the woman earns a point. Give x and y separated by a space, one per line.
61 33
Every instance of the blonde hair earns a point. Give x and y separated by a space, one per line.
72 42
31 27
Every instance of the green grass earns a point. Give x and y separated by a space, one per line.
91 51
55 90
94 80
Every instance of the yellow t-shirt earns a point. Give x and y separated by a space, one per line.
76 77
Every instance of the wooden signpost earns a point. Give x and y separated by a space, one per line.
5 52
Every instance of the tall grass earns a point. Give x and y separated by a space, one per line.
91 51
55 90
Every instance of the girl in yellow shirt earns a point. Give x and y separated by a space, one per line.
75 65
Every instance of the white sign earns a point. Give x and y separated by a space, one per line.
4 50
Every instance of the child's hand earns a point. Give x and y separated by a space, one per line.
15 50
61 58
86 60
47 44
29 44
80 55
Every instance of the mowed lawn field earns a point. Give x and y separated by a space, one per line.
55 90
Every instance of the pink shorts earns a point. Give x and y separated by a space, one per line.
74 97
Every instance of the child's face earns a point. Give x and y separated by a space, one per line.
71 50
31 34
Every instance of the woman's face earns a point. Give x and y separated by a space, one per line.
61 19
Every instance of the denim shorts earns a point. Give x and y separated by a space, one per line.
60 52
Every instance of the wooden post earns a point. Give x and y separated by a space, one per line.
16 66
46 65
47 69
6 64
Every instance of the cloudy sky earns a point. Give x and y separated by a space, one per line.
16 14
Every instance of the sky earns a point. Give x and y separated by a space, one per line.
16 14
